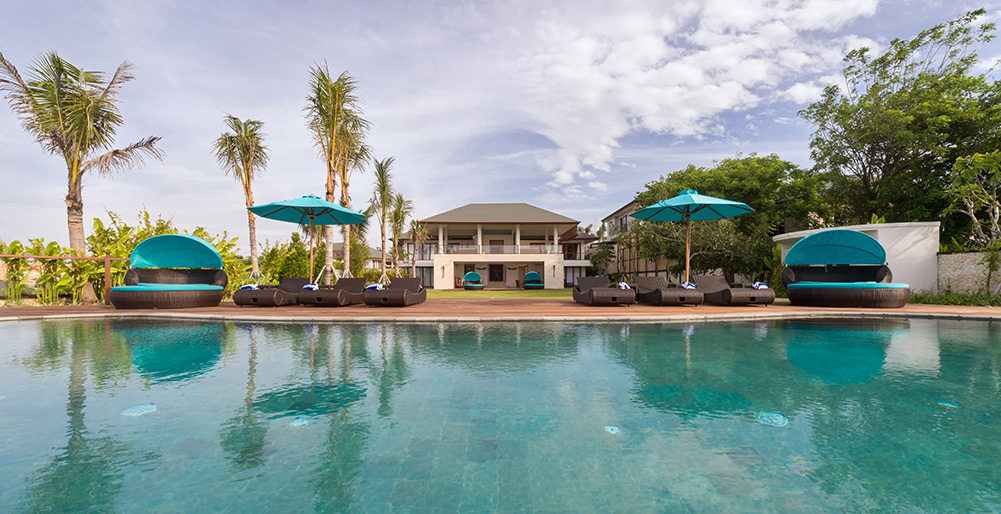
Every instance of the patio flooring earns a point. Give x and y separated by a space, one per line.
500 309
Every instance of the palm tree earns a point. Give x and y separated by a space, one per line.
338 131
73 113
242 151
419 233
402 209
382 201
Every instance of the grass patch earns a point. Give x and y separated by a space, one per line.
953 298
516 293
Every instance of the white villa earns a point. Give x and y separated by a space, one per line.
502 242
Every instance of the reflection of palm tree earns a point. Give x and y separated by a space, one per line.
86 474
243 436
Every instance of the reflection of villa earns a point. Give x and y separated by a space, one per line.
501 242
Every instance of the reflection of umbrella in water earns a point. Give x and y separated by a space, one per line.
690 205
309 210
308 399
172 351
836 354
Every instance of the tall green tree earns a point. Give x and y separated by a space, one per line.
243 153
419 234
382 201
889 135
338 131
402 209
74 113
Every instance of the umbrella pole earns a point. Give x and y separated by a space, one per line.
310 250
688 232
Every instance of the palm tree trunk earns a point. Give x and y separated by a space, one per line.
328 254
78 242
255 270
345 200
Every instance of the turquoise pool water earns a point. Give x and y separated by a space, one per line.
791 416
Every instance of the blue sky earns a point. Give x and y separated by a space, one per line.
569 105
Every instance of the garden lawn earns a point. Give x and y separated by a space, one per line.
512 293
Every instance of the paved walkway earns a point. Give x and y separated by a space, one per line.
500 309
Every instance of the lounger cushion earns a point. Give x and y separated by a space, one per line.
847 285
169 287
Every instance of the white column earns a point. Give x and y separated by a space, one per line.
517 239
441 239
479 238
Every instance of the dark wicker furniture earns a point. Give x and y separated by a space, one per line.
656 291
841 268
400 293
596 291
172 271
717 291
285 293
347 291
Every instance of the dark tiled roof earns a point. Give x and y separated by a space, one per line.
499 213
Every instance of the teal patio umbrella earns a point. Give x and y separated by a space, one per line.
690 205
309 210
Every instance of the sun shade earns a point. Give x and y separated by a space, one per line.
175 251
836 247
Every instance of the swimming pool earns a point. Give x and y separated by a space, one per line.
791 416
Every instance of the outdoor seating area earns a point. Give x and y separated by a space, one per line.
533 280
400 293
472 281
841 268
172 271
346 291
285 293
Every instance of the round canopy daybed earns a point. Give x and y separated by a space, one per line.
172 271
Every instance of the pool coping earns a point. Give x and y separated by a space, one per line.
501 310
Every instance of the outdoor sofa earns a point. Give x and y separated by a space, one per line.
841 268
656 291
533 280
172 271
717 291
285 293
400 293
472 281
346 291
597 291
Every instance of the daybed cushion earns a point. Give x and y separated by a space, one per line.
847 285
169 287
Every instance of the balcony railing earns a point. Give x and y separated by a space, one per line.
502 249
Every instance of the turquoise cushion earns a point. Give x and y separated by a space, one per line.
846 285
169 287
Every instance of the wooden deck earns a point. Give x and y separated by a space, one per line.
500 309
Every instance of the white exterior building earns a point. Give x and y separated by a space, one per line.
911 249
502 242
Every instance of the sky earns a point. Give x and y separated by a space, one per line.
569 105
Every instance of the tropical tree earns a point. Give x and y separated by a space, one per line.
73 113
338 130
382 201
402 209
419 234
242 152
889 135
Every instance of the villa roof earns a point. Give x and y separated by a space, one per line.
493 213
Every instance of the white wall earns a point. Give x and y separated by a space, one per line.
551 266
911 249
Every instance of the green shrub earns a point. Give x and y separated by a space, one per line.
17 271
954 298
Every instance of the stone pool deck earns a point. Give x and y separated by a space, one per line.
500 309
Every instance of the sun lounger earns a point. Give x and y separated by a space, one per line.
347 291
400 293
285 293
596 291
656 291
717 291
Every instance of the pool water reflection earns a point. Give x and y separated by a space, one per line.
804 416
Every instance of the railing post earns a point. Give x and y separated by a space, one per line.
107 278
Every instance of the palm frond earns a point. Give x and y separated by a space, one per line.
125 158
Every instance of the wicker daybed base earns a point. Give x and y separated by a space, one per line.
656 291
347 291
138 297
842 294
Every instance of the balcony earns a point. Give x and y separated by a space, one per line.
502 249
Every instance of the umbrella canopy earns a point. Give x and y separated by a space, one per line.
690 205
311 210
